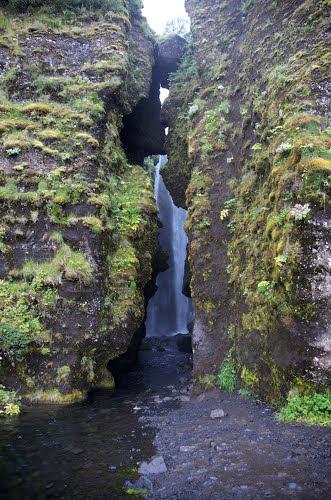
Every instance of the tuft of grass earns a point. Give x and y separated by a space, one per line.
227 375
50 134
66 263
54 396
38 108
136 492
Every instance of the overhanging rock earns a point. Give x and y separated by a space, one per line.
170 53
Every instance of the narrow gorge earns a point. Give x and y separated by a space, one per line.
165 268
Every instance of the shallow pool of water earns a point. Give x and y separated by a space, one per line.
89 449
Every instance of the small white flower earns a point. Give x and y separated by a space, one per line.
284 147
193 110
300 212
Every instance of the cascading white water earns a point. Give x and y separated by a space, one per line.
169 311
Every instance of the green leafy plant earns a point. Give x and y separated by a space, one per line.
245 393
230 203
313 409
227 374
20 324
13 151
266 288
300 212
9 403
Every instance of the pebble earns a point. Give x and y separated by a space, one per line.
186 449
212 479
216 446
143 483
76 451
218 413
184 391
293 486
155 466
184 399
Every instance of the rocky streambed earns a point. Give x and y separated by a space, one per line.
157 439
244 454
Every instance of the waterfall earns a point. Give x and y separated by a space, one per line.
169 311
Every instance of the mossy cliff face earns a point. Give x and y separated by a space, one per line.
258 157
78 222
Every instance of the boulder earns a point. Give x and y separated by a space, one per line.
155 466
184 343
218 413
170 53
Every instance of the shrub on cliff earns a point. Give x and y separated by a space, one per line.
9 403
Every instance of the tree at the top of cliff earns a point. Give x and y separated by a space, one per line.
177 26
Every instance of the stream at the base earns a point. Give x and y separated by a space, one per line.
88 450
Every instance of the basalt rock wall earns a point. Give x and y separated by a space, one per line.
78 225
249 156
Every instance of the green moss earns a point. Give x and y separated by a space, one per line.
131 202
136 492
20 323
54 396
38 108
177 171
207 381
87 365
116 6
249 377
